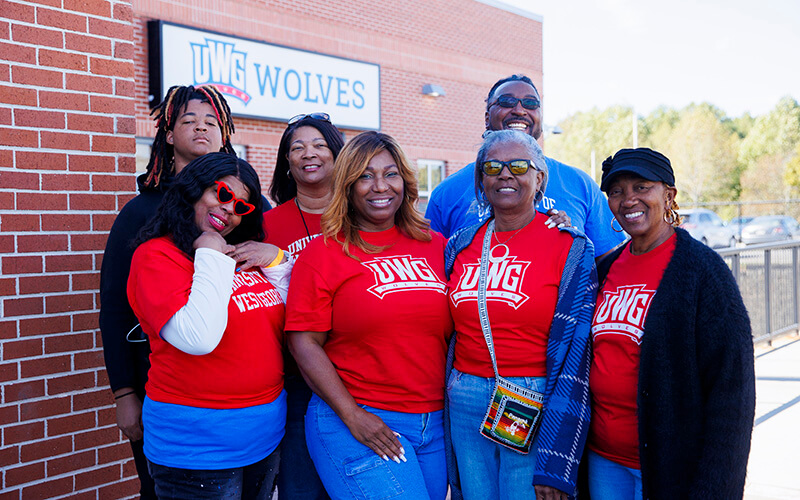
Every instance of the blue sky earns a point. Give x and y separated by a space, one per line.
741 56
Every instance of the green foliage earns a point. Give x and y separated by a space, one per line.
602 131
715 157
766 151
792 173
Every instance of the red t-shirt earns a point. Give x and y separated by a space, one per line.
288 228
617 329
386 315
245 369
521 296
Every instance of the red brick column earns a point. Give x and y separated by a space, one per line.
66 159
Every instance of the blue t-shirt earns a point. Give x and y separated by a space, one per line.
189 437
453 204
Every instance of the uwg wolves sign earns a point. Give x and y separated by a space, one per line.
261 80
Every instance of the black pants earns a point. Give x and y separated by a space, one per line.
147 489
252 482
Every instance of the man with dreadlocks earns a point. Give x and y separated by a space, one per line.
190 122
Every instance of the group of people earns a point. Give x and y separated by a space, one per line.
510 344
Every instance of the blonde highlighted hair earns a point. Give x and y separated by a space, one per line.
340 220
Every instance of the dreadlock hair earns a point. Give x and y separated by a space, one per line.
160 167
512 78
341 216
284 187
176 216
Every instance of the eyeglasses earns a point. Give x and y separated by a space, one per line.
516 167
507 101
225 195
317 116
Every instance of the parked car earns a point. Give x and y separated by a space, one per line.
769 228
738 223
706 226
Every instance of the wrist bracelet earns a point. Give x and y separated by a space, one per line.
123 395
277 260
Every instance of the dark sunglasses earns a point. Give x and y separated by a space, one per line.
516 167
507 101
225 195
317 116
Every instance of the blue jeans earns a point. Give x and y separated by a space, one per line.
480 461
350 470
609 480
297 480
256 481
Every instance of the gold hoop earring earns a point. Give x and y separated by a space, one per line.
614 219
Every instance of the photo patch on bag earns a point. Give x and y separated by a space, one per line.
518 418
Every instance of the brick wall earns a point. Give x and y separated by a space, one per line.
66 153
73 95
462 45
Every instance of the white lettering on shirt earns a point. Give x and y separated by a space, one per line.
623 312
402 273
503 282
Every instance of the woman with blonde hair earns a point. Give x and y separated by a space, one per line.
368 324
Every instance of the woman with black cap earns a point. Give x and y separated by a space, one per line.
672 380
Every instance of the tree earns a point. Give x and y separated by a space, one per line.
602 131
703 152
767 150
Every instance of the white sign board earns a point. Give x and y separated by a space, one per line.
262 80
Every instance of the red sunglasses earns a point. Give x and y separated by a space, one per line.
225 195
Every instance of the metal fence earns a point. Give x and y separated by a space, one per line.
769 280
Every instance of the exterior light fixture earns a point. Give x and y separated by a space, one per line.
433 90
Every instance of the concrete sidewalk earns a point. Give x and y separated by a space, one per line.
774 468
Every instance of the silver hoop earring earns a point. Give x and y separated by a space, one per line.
613 220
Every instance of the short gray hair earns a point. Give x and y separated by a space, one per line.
503 137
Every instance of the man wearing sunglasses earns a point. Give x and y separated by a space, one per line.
514 104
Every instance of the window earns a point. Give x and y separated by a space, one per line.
143 145
429 174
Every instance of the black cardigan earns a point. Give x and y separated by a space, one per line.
127 363
696 395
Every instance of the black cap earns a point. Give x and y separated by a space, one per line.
643 162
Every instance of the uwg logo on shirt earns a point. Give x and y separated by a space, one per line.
623 312
402 272
247 301
503 282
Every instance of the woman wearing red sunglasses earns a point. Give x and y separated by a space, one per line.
215 409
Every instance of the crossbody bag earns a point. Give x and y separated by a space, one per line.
514 412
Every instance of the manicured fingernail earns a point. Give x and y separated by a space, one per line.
238 269
403 457
402 451
555 211
396 460
561 225
385 457
551 225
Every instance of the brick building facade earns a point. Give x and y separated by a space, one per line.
74 86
